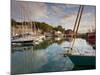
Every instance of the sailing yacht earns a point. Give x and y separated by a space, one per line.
26 35
85 59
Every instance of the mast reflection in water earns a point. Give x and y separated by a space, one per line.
45 57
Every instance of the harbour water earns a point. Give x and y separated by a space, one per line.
45 57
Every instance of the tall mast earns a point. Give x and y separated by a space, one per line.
30 21
21 21
78 23
34 27
77 18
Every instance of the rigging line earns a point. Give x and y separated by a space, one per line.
30 26
77 18
77 26
31 23
27 13
22 21
25 17
24 14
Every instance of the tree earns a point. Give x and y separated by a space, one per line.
59 28
13 22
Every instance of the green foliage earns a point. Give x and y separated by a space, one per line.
41 25
59 28
13 22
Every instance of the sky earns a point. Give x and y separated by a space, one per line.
54 14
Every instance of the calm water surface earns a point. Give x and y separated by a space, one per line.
46 57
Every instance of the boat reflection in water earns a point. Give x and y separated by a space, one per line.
80 56
47 56
42 58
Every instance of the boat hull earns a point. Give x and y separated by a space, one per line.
83 60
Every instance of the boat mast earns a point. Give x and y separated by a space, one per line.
22 23
35 28
30 21
78 19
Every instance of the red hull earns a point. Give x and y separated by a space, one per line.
91 38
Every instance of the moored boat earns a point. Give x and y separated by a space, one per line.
91 39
